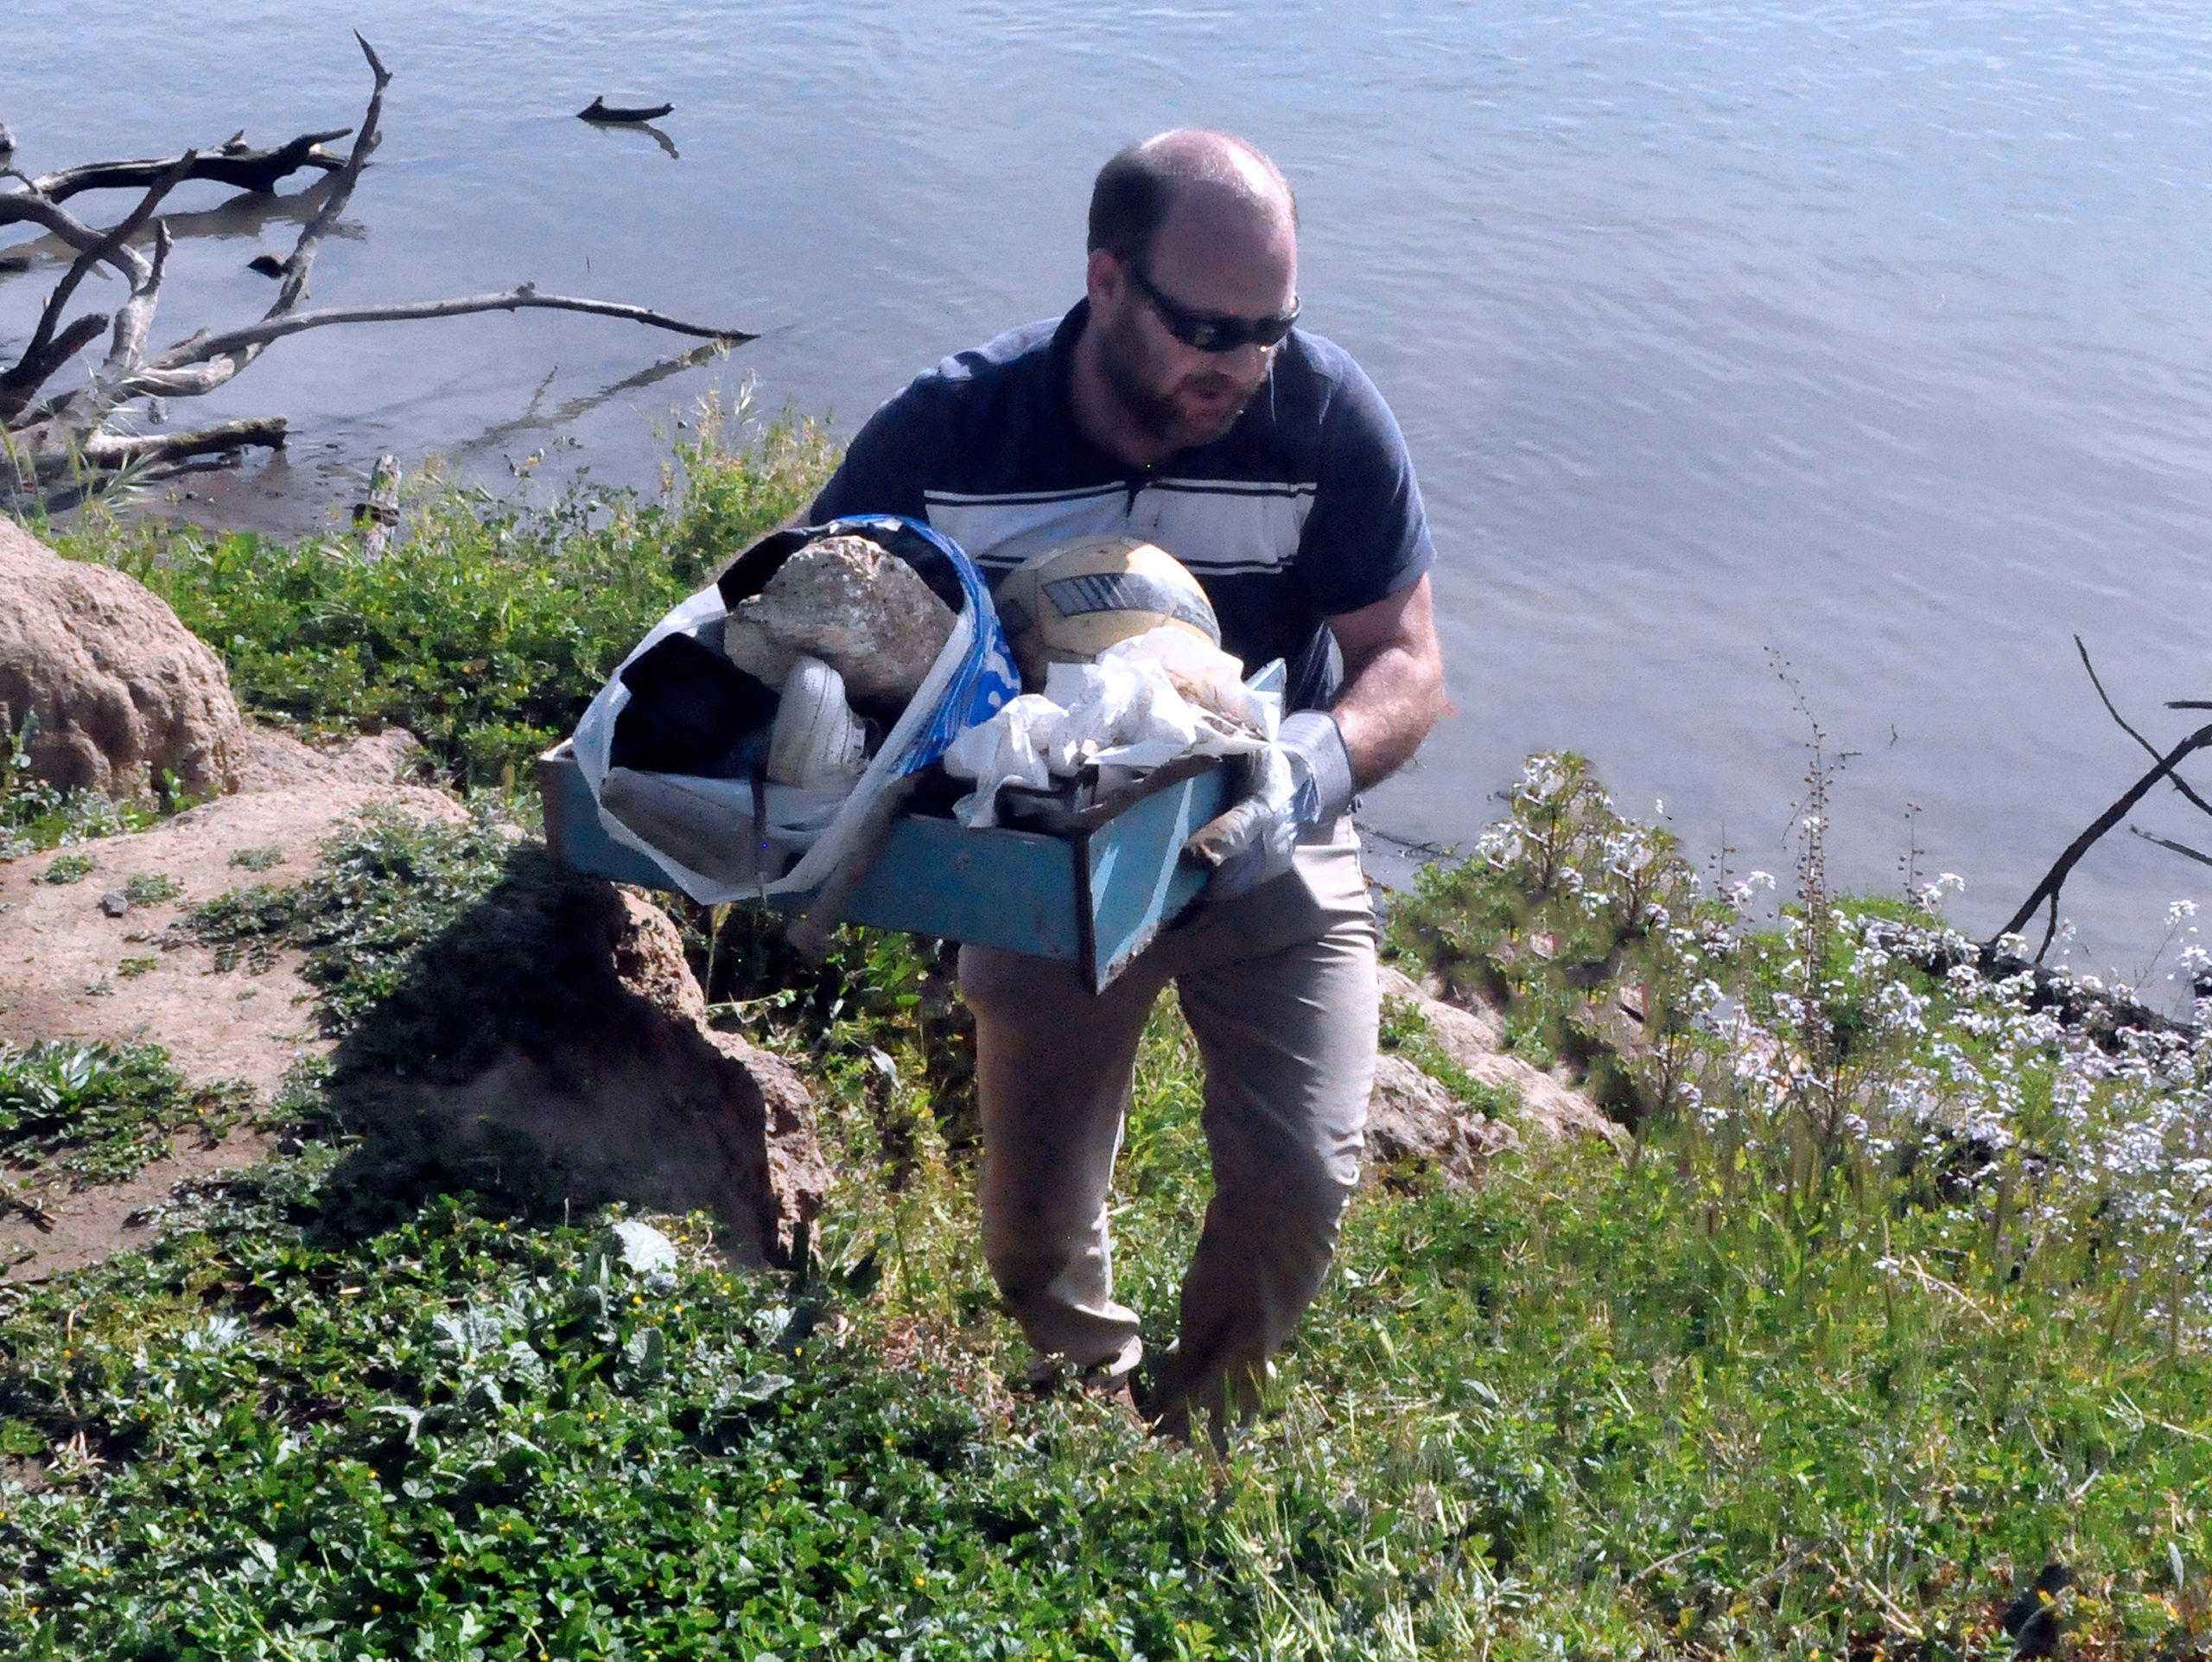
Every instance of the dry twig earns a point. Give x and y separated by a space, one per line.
2046 892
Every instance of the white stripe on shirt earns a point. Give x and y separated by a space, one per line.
1216 527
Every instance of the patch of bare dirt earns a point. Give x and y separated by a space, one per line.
69 970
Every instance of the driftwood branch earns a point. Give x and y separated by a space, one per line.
39 364
18 208
209 349
112 450
2149 749
2197 855
137 316
44 355
303 252
234 163
2055 879
58 441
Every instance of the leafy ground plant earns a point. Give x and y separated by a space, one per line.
102 1111
151 888
386 882
37 816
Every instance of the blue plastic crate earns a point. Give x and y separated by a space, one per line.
1096 895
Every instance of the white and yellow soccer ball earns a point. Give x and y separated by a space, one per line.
1071 603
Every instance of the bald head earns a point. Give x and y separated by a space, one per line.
1210 174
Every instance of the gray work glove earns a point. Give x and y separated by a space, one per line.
1302 779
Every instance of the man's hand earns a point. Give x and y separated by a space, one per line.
1303 778
1394 691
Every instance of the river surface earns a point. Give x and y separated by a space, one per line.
1869 337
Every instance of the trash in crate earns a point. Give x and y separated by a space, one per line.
1147 701
690 711
741 743
851 604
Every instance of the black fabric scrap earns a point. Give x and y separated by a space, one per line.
690 710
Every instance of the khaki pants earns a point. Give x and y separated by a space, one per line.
1280 990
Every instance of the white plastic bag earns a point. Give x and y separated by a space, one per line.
1127 711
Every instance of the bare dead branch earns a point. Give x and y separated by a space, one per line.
40 360
301 259
36 367
17 206
84 411
2178 848
205 348
2150 749
2055 879
136 317
58 441
234 163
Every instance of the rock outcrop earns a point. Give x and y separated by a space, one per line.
117 693
555 1041
1411 1116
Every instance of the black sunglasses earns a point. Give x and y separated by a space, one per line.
1209 333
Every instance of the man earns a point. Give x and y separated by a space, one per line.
1176 401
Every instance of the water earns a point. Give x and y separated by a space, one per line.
1869 336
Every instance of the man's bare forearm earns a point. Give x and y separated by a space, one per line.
1387 712
1394 682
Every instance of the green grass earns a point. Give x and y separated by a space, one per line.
487 629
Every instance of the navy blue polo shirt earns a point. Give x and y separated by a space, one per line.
1306 508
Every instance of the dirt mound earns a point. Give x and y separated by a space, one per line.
553 1043
121 692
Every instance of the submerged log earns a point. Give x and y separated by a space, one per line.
599 110
234 163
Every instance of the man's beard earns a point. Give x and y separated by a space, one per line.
1158 411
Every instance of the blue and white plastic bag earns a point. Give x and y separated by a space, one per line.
973 676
